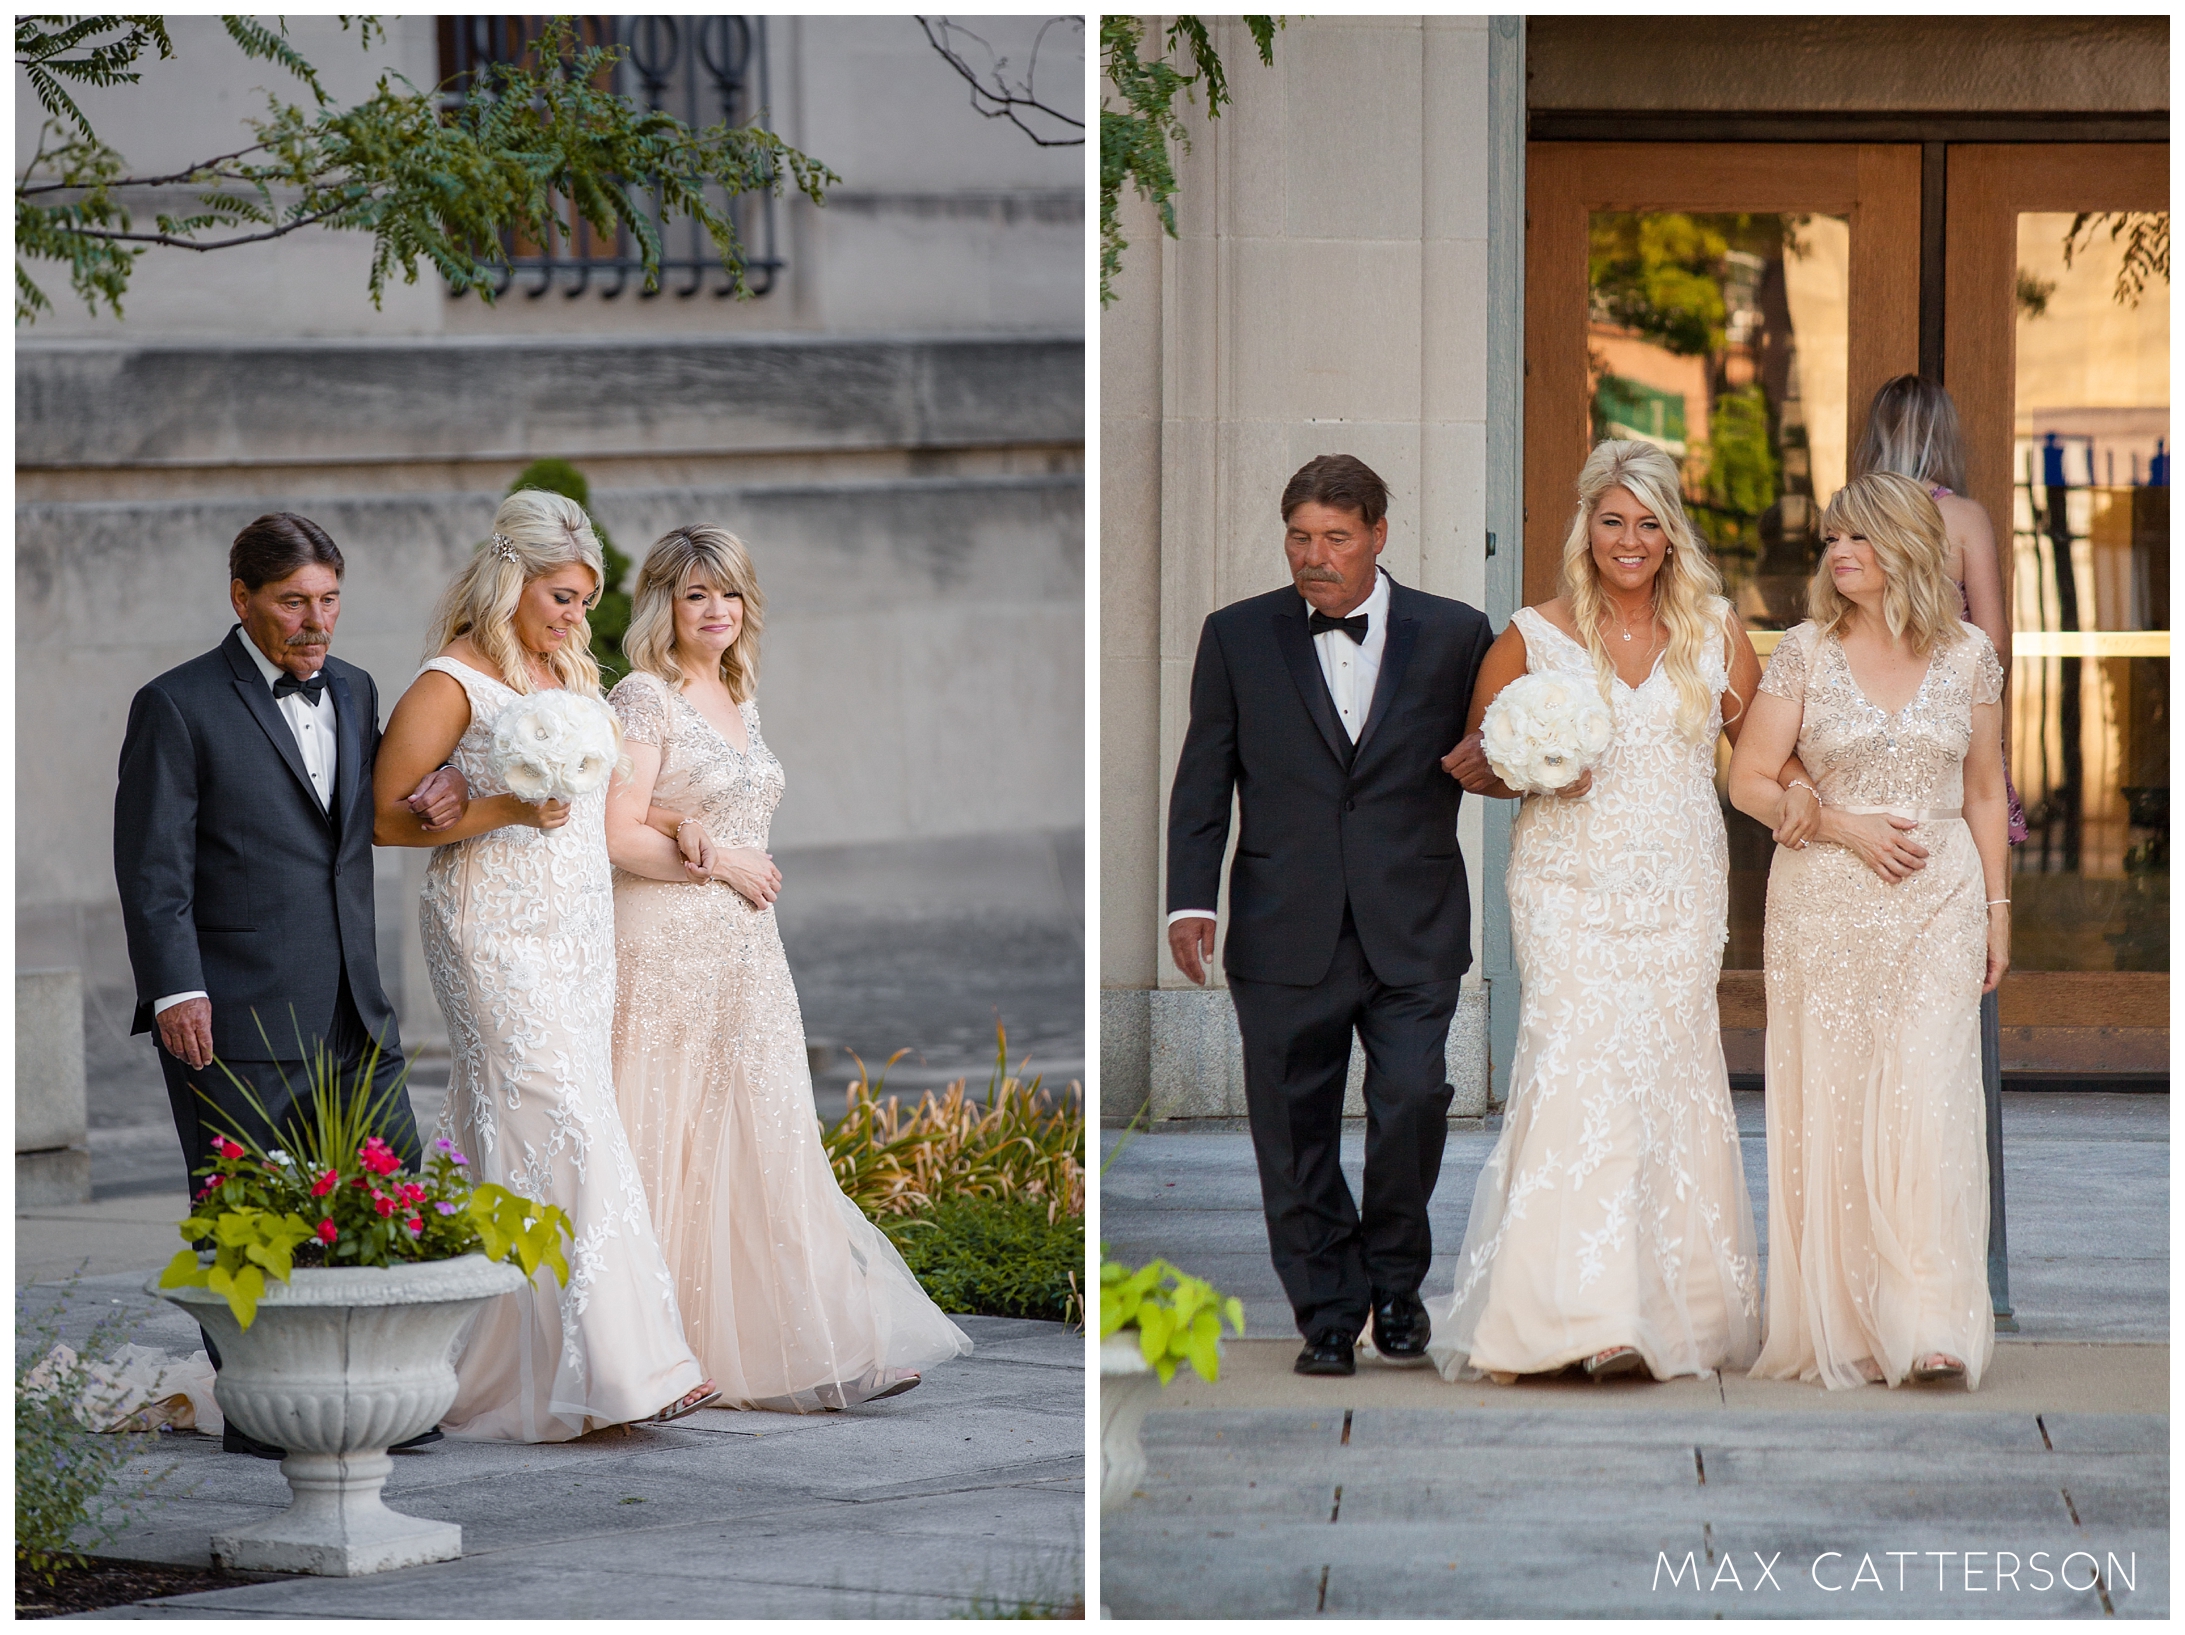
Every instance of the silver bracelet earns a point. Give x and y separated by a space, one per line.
1800 783
1997 902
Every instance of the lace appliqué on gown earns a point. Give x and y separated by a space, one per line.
518 929
1877 1123
792 1299
1613 1209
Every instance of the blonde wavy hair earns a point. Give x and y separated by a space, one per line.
1687 589
534 534
1912 429
1895 516
718 557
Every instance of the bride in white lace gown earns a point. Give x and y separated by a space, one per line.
1611 1226
518 926
793 1300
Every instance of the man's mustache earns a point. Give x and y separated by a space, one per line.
1318 576
310 638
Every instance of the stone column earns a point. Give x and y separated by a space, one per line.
1326 293
52 1146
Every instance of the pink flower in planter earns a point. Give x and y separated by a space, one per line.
324 1184
226 1148
378 1157
382 1203
328 1231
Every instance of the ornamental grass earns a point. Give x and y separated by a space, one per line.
1019 1143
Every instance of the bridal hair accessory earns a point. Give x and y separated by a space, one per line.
1542 733
554 745
503 547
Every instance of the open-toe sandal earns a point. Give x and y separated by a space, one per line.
1621 1359
689 1403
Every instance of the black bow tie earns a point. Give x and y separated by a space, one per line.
310 689
1354 627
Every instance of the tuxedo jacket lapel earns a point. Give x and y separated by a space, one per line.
1297 652
349 765
258 699
1403 631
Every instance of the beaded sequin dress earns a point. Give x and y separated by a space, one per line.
1613 1209
1877 1128
792 1299
519 941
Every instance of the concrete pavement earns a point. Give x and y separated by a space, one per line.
965 1494
1396 1494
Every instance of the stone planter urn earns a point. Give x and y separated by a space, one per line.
1128 1389
341 1363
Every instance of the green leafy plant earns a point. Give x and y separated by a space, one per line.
531 146
336 1194
1178 1317
994 1258
1135 135
609 619
66 1497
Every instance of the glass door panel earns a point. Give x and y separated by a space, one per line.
1723 339
2089 566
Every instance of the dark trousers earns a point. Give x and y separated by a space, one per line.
1334 1259
283 1087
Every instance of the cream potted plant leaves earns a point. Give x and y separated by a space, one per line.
1152 1321
335 1282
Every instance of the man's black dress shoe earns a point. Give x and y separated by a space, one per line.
235 1441
423 1439
1329 1352
1400 1329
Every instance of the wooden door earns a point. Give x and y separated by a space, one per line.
2055 1021
1874 186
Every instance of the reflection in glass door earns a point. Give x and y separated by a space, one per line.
1723 339
2090 543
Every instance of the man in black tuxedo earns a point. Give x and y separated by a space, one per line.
1327 709
243 854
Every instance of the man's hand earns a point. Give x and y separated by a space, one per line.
440 800
1467 763
1191 945
185 1032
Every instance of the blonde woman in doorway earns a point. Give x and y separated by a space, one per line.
791 1298
518 922
1611 1226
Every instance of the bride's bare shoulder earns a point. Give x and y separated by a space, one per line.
1557 612
465 652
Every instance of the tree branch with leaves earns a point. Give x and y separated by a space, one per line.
1136 134
2145 236
434 180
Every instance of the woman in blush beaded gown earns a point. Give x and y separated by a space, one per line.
1882 935
517 916
790 1297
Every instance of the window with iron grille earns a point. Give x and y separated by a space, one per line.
703 70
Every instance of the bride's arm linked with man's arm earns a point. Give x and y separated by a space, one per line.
428 722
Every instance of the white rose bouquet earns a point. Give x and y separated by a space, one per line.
554 745
1543 732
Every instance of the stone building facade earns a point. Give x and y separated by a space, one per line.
895 429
